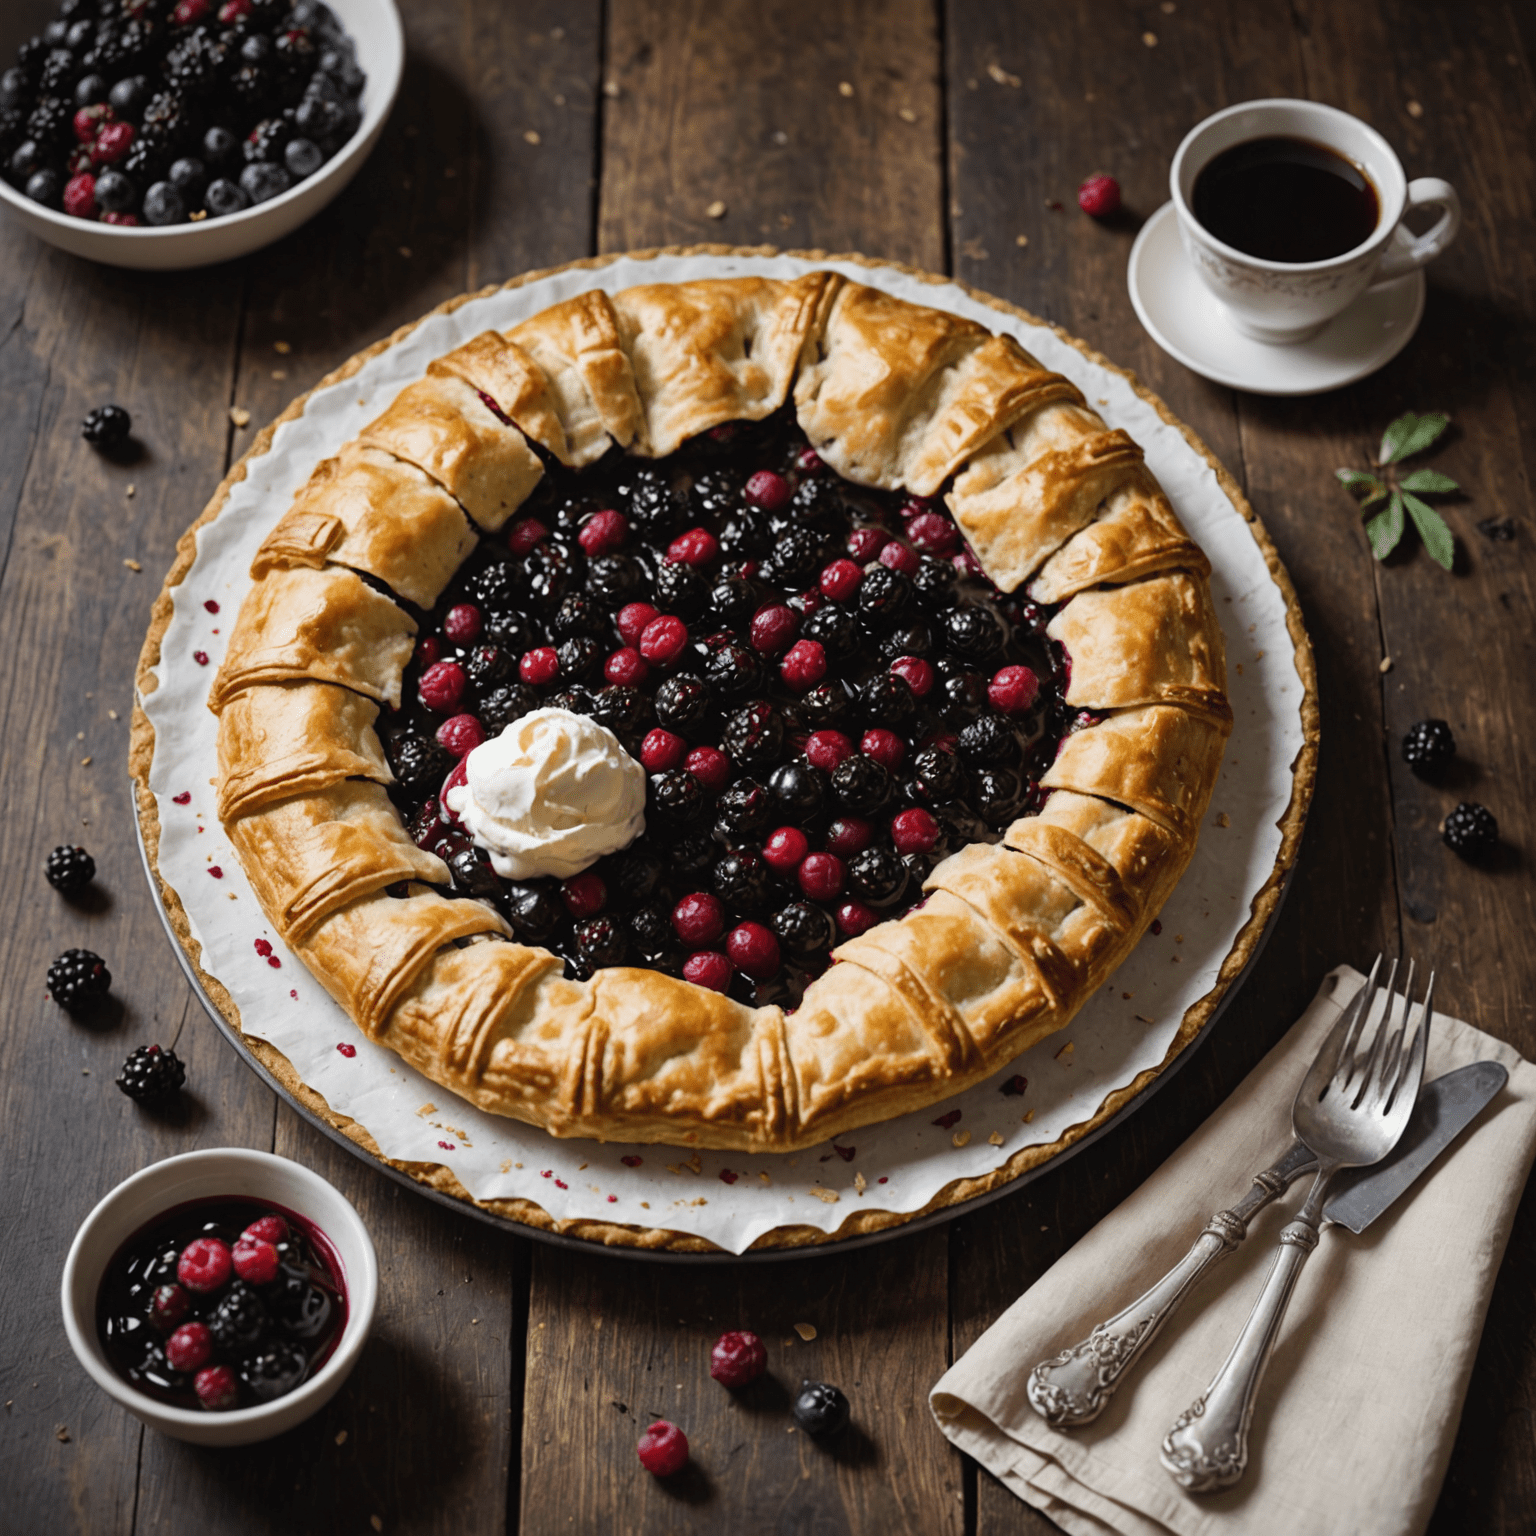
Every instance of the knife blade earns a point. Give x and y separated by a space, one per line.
1445 1108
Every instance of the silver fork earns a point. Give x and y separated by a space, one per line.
1350 1110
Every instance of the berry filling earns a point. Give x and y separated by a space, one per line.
826 693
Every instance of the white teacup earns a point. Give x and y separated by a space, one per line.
1282 301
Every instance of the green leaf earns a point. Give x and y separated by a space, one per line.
1386 528
1366 488
1438 539
1428 482
1411 434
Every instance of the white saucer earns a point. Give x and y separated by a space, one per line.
1189 323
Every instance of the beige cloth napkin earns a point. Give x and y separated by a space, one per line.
1355 1417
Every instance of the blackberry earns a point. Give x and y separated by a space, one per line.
650 930
934 582
254 87
633 875
510 629
806 932
887 700
716 492
264 143
30 56
862 785
580 658
472 875
815 503
907 640
742 880
69 869
488 667
795 558
974 632
58 73
494 587
578 615
293 61
878 875
677 796
147 160
963 696
754 736
613 580
275 1372
167 120
732 600
826 705
1428 745
996 795
500 707
799 789
734 671
820 1409
151 1075
691 855
419 763
319 117
884 596
193 64
745 536
532 910
50 122
77 978
239 1320
550 571
988 740
835 629
937 776
1469 830
576 699
13 128
601 941
649 501
680 589
625 711
743 809
120 46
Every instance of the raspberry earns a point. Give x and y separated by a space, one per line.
914 831
1099 196
189 1348
583 895
821 876
126 219
428 650
632 621
767 490
696 547
204 1265
826 749
462 623
774 626
603 533
460 735
916 673
710 767
804 665
80 196
662 750
1013 690
255 1261
786 848
752 948
234 11
933 534
849 835
865 543
457 777
808 461
663 1448
538 667
89 121
899 558
267 1229
441 687
663 640
169 1307
524 534
854 918
626 667
699 919
913 506
967 564
708 968
841 579
112 145
737 1359
217 1388
886 747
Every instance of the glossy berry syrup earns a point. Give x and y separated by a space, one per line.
221 1303
827 693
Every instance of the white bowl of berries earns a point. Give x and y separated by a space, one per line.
222 1296
178 133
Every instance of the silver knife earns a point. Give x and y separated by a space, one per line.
1074 1387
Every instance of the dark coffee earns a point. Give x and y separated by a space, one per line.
1284 199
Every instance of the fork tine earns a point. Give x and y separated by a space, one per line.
1343 1041
1368 1083
1414 1072
1385 1086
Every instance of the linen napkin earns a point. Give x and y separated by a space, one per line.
1354 1420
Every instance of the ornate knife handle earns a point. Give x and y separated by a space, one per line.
1207 1448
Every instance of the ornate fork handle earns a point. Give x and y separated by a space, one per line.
1075 1386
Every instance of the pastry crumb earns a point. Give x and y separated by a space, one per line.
341 1437
807 1331
1021 240
279 373
764 1177
695 1163
131 492
906 114
716 210
1222 819
282 346
996 1138
1415 109
1125 997
133 565
531 136
826 1196
844 88
1065 1053
1029 1115
427 1109
61 1432
860 1183
1178 938
611 89
1386 664
1002 77
85 762
960 1139
376 1522
1142 1018
1150 39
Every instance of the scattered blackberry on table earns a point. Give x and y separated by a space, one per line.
152 1075
821 1409
77 978
1428 745
69 869
1470 830
107 426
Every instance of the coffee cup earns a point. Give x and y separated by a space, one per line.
1289 301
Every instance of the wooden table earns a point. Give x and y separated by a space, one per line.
507 1381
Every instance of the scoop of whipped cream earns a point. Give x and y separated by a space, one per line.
550 795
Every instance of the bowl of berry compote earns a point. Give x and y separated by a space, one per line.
222 1296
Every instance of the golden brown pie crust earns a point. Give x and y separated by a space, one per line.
1012 938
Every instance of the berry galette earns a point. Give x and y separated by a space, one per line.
722 713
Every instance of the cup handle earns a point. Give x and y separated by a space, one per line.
1407 251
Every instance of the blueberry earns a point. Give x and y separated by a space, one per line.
224 197
799 789
129 95
303 158
997 795
532 911
219 146
26 158
677 796
163 205
820 1409
45 187
90 90
472 875
115 193
263 181
14 89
